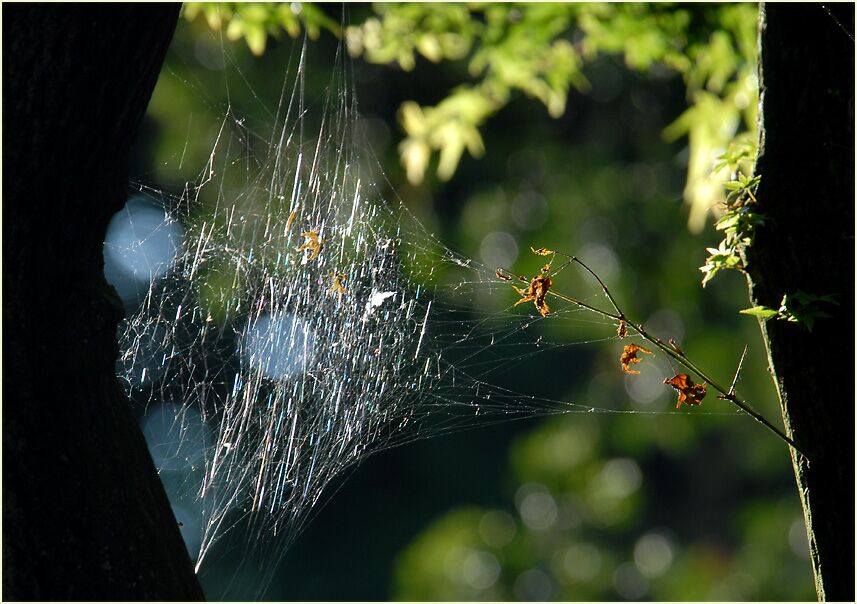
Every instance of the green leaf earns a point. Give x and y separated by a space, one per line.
763 312
256 37
709 271
730 219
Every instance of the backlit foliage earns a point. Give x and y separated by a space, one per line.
540 50
256 21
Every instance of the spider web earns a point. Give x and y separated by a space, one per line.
304 319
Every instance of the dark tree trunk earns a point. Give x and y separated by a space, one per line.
84 514
807 244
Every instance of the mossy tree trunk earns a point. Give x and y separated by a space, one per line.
806 194
84 514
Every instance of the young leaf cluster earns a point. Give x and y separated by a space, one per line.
508 48
255 22
740 219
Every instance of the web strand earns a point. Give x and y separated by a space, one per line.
307 321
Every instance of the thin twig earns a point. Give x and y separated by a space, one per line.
597 278
738 371
675 353
577 302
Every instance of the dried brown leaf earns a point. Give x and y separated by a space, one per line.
535 293
312 244
688 392
629 356
337 285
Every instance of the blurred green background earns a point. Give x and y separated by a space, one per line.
574 507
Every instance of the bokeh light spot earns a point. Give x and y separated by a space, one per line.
497 528
176 436
602 259
582 562
536 506
653 555
279 345
140 245
481 570
498 249
646 387
529 210
629 583
620 477
533 586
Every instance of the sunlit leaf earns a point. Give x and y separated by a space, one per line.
762 312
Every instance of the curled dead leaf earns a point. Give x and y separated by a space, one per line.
629 356
536 292
312 244
688 392
337 285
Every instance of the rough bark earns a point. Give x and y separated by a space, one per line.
84 513
807 244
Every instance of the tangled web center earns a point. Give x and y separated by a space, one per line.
288 321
